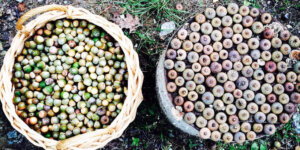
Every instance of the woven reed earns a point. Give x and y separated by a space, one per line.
91 140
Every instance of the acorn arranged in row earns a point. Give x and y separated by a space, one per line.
230 73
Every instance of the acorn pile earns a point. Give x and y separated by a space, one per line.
230 73
70 78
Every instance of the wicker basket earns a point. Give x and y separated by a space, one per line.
91 140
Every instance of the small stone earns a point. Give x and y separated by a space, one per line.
179 6
166 28
6 46
4 28
215 1
171 134
14 137
8 11
289 26
11 18
40 1
286 16
19 1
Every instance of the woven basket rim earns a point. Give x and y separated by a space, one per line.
91 140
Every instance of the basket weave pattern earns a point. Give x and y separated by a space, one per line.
91 140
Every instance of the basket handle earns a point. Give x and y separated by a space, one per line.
36 11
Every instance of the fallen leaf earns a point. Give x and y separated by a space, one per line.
106 9
263 146
118 12
127 22
21 7
254 146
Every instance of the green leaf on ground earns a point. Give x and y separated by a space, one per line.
135 141
246 3
263 146
254 146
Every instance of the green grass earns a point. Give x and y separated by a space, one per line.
135 141
152 13
145 40
192 145
200 2
253 3
286 4
158 9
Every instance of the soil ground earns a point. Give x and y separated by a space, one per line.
150 130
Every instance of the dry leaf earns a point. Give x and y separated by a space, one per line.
117 12
127 22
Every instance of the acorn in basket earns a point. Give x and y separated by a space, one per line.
230 73
70 78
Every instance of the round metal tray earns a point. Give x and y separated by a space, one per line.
165 99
